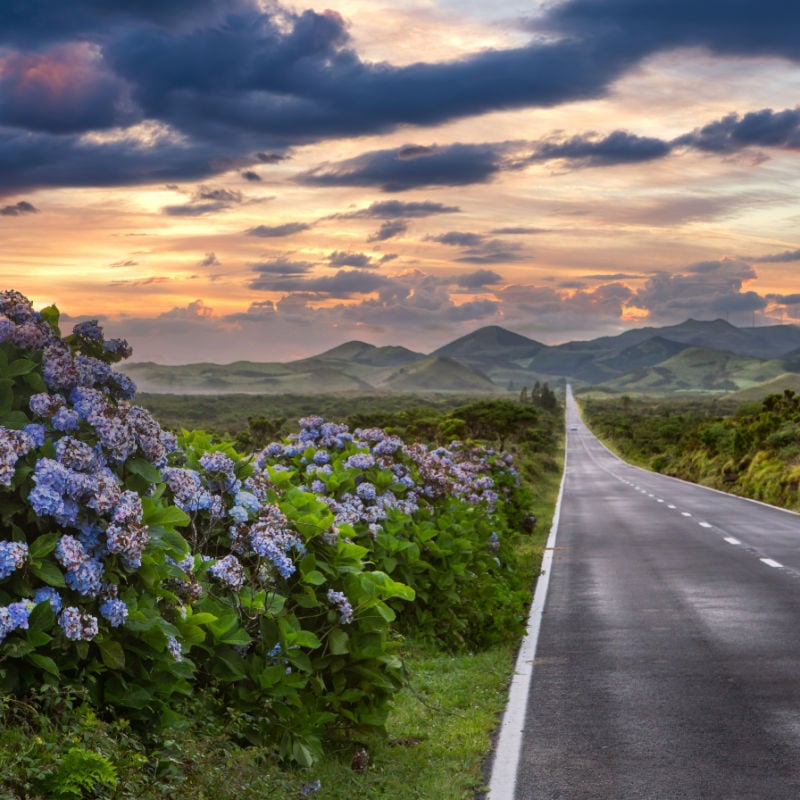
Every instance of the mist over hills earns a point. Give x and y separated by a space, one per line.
695 356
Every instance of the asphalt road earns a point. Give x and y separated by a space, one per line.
668 659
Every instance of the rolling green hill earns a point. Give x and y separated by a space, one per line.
695 356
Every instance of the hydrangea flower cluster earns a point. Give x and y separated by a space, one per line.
14 617
342 604
90 429
12 557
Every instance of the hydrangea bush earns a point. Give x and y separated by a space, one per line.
145 566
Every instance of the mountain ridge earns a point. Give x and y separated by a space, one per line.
494 359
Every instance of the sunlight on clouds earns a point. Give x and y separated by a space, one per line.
429 32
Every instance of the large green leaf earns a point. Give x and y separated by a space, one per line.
112 654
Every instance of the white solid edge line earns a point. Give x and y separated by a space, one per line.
503 781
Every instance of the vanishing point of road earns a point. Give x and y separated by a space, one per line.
664 663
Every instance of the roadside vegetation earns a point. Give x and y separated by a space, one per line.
332 612
751 449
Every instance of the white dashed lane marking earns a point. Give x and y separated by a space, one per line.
770 563
705 524
732 540
685 514
672 506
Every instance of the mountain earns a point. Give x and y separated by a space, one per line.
698 369
438 373
704 356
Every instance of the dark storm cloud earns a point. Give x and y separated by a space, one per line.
478 279
619 147
18 209
343 284
389 209
249 175
396 171
388 230
232 79
275 231
765 128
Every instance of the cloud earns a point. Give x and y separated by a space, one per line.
478 279
282 266
777 258
518 230
388 230
765 128
205 200
478 249
458 239
344 284
127 262
413 167
389 209
587 150
210 260
700 291
341 258
784 299
18 209
226 84
250 175
140 282
276 231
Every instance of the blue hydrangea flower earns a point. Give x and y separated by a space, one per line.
12 557
115 611
48 594
342 604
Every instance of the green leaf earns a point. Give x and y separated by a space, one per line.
42 618
305 639
239 637
203 618
22 366
314 577
112 654
44 662
43 545
156 514
15 420
143 468
339 642
38 638
49 573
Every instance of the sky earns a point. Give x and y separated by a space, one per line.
217 180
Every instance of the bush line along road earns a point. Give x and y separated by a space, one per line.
666 664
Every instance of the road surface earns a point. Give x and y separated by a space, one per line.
668 656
